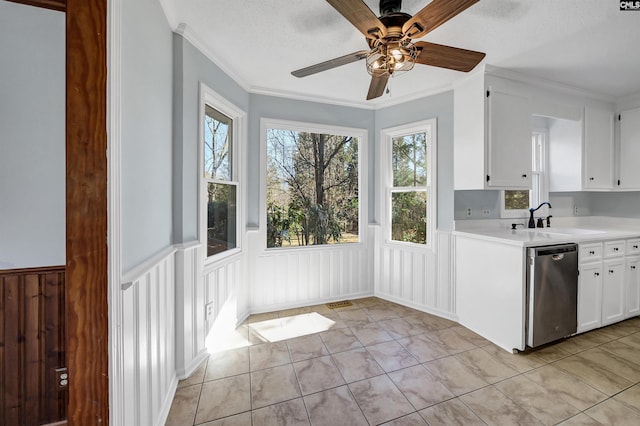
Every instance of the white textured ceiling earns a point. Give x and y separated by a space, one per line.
587 44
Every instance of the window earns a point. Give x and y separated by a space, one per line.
220 189
312 184
516 203
410 164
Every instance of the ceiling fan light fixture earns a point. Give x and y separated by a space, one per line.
391 57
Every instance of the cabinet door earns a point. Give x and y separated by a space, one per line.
613 306
598 149
508 141
590 296
629 174
632 286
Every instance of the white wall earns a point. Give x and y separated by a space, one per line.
32 137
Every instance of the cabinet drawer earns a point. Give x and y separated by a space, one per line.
589 252
614 248
633 246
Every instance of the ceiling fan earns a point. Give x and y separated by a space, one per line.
391 49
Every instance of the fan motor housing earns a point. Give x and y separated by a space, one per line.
390 6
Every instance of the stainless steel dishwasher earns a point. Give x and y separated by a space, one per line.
552 293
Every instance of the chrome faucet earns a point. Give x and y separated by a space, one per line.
532 222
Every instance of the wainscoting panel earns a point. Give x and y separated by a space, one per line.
222 281
413 276
32 345
148 345
189 296
285 278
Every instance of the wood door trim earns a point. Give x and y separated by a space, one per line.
60 5
86 213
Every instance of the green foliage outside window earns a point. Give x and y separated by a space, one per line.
516 200
218 175
409 207
312 188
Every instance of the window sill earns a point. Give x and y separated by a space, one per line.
214 261
410 246
325 247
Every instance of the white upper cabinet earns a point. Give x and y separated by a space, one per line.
508 140
629 172
598 149
581 153
492 136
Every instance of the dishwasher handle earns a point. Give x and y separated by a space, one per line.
553 250
557 256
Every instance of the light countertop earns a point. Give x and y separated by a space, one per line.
571 230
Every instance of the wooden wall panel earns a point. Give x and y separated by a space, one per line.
32 346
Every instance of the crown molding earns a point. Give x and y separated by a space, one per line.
384 103
309 98
628 101
192 37
169 13
546 84
415 96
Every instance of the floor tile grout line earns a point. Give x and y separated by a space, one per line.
195 414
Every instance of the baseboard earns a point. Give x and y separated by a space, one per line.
422 308
310 302
166 404
182 374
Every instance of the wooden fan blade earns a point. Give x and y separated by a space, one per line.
331 63
449 57
433 15
377 86
361 17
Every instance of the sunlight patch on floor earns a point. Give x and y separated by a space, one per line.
224 335
289 327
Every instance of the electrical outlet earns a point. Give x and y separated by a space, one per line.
575 210
208 309
62 378
486 212
469 212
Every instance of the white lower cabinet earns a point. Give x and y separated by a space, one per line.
609 288
613 306
590 296
632 286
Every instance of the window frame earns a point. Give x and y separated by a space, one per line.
213 99
363 187
386 180
542 178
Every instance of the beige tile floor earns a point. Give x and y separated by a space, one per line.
377 362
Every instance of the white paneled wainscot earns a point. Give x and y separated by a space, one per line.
287 278
163 327
147 342
216 288
416 277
